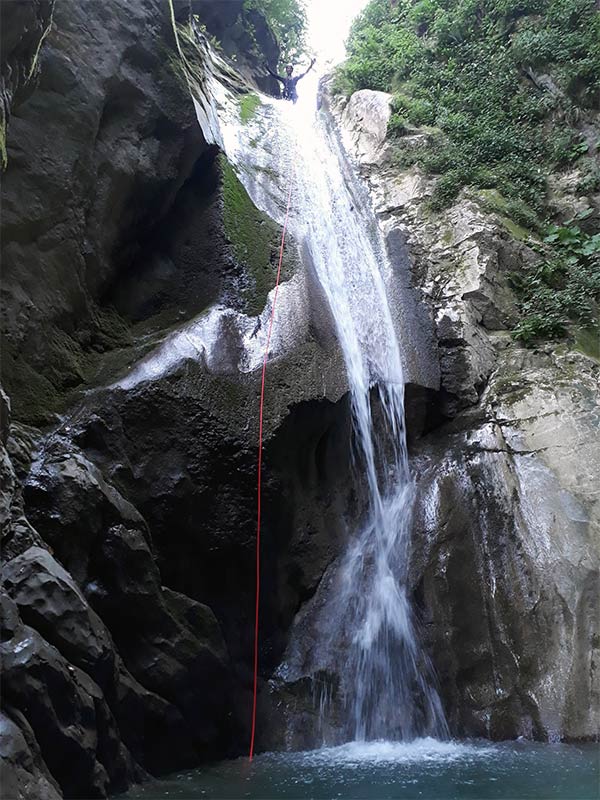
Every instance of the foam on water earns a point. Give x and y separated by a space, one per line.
389 752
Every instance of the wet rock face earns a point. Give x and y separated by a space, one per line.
22 769
73 727
506 553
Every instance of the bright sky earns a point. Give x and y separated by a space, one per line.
328 25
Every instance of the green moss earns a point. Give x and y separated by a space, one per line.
517 217
33 397
587 341
515 230
255 239
42 386
112 330
248 105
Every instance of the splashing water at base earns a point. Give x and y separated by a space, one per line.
384 770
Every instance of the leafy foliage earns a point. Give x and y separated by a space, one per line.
287 20
474 71
564 287
500 88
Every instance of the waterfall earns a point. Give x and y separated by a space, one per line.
362 630
366 629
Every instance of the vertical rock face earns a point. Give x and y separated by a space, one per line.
24 27
506 544
507 552
96 157
128 524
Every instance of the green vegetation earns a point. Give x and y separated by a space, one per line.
70 361
254 237
287 20
565 286
248 105
187 64
501 89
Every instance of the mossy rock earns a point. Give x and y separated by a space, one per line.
255 240
71 362
248 103
587 341
517 217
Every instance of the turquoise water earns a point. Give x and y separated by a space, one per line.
425 769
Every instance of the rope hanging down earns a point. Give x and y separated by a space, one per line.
260 437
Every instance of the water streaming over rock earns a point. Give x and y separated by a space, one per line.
359 627
366 630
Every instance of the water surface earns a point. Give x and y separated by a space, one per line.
425 769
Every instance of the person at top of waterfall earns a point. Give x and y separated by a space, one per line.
288 81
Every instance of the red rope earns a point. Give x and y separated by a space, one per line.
260 436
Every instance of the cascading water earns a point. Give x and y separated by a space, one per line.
366 629
362 630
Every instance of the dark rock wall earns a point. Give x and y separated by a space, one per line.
96 157
23 27
128 524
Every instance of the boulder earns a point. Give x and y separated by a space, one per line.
49 601
364 124
62 490
23 773
74 728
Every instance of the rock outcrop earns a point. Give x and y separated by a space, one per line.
506 544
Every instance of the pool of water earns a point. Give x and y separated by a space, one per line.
425 769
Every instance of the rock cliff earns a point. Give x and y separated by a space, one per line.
506 544
127 513
139 251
